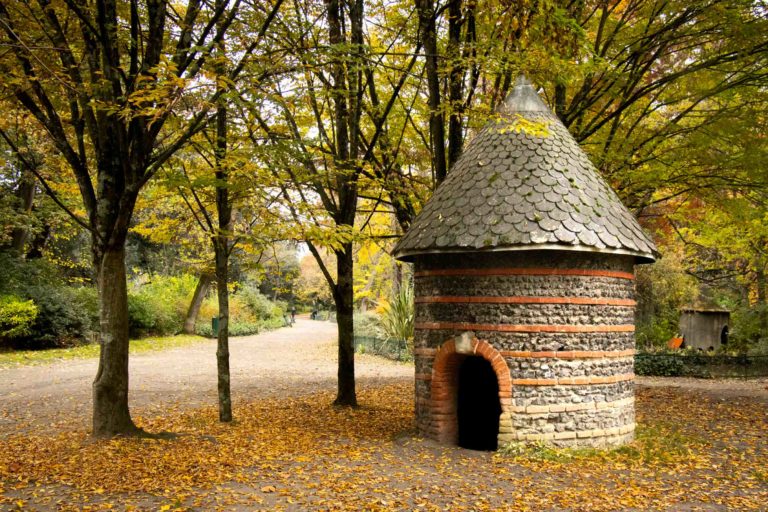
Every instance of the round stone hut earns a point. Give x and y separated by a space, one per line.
524 281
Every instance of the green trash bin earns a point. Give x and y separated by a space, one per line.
215 326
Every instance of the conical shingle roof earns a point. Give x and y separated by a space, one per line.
523 183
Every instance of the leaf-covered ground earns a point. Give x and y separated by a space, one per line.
694 452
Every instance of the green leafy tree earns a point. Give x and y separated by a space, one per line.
633 80
105 80
663 288
329 144
717 206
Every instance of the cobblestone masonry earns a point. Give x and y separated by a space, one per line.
565 338
585 341
568 314
575 286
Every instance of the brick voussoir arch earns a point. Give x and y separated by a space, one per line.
444 383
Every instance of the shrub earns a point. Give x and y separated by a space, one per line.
16 316
760 348
247 305
244 328
63 319
141 315
159 306
204 329
66 314
250 312
235 329
398 315
16 275
258 305
747 329
273 323
367 324
659 365
87 299
655 334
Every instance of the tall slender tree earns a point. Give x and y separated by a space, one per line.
326 134
221 237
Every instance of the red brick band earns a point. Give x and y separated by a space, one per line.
464 326
569 354
562 354
525 272
575 381
596 301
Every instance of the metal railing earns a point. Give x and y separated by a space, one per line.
707 366
396 350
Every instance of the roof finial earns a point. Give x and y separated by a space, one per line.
522 80
523 98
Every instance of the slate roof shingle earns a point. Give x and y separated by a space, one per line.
524 183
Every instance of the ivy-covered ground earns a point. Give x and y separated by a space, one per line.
694 452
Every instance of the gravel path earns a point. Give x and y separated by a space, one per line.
716 388
286 362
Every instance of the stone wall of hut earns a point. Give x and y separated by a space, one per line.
558 328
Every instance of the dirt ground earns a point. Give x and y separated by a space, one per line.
717 388
702 445
285 362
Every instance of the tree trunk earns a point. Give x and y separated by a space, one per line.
560 99
455 83
201 290
222 350
26 196
38 243
761 281
397 275
110 388
344 298
428 34
346 70
221 240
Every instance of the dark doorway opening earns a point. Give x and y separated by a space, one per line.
478 407
724 336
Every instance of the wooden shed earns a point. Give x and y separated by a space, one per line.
704 328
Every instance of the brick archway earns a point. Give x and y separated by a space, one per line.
445 384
